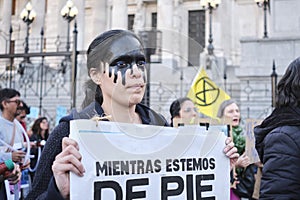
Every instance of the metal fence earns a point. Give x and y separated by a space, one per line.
45 79
44 75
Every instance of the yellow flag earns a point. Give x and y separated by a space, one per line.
206 95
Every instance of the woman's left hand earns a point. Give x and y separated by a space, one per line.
15 176
68 160
231 152
243 161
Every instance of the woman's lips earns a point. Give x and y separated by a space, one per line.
136 86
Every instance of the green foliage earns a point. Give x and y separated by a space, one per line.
239 139
240 143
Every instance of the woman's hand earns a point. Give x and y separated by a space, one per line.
68 160
231 152
25 165
243 161
17 156
235 180
15 176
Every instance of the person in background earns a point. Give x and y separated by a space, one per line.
278 142
40 129
10 131
183 108
230 110
117 67
40 134
21 114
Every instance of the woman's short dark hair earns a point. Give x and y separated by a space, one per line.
25 107
288 88
176 106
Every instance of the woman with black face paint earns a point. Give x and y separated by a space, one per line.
116 65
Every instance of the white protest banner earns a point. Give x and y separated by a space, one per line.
131 161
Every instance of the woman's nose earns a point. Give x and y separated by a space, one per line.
236 113
136 71
194 113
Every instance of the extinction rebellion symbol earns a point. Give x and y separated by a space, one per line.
207 93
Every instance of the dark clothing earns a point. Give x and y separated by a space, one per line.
245 176
52 191
54 147
278 146
2 190
35 151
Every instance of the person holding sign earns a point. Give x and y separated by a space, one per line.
244 172
230 110
183 108
278 142
117 67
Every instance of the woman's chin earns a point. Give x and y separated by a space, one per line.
235 124
135 99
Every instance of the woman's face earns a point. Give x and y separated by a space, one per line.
44 124
124 78
188 110
232 111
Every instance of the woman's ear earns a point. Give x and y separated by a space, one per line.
95 76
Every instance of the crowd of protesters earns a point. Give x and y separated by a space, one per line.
116 65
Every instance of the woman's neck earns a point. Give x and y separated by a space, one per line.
121 113
42 133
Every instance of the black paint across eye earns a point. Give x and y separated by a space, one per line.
121 64
140 63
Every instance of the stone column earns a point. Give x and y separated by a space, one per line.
39 7
179 44
119 14
165 11
5 25
139 19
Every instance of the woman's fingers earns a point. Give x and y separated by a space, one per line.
69 150
15 175
69 142
232 153
228 140
230 150
66 167
17 156
69 155
70 162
